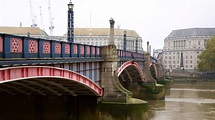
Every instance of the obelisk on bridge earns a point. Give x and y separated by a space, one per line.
111 41
113 91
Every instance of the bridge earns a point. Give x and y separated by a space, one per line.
33 66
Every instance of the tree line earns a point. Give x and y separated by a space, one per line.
207 58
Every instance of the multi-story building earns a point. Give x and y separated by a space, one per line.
100 37
182 47
158 54
90 36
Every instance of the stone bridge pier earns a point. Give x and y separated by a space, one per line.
112 89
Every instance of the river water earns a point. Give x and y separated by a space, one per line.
185 101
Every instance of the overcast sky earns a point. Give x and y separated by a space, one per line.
153 20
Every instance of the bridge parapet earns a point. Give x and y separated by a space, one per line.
128 54
14 46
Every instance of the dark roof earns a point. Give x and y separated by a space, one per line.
192 32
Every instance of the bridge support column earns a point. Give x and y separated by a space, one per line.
150 89
113 91
147 73
161 78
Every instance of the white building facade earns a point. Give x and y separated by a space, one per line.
100 37
182 47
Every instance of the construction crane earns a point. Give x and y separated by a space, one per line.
41 19
51 19
33 16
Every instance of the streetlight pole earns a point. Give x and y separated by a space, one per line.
136 47
124 41
70 27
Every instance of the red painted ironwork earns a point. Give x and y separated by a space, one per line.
32 46
67 49
81 49
93 51
88 50
46 47
1 44
75 49
15 45
98 51
57 48
129 63
25 72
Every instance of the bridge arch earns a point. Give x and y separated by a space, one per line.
153 70
45 80
130 64
131 77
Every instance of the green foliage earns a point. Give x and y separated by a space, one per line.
207 58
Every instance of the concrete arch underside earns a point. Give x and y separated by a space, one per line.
42 80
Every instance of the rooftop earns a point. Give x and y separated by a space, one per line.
192 32
103 31
35 31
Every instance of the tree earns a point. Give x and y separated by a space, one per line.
207 58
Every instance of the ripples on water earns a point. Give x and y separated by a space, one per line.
190 100
186 101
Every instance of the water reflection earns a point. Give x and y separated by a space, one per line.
190 101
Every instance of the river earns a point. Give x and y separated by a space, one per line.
185 101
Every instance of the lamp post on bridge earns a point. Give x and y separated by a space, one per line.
124 41
70 27
136 47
